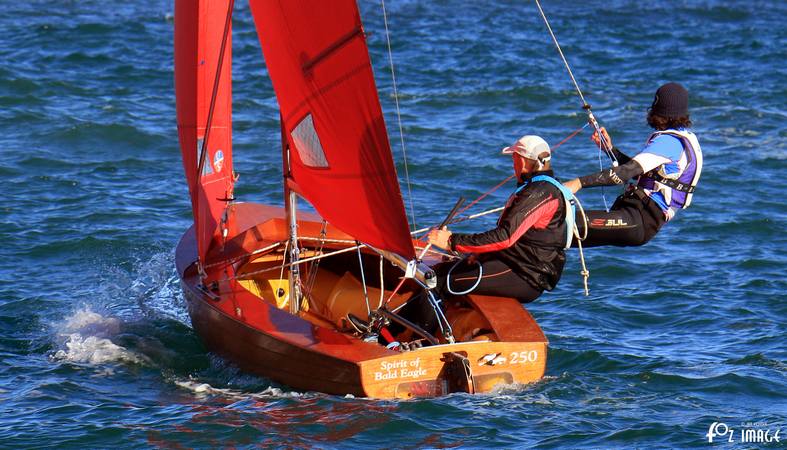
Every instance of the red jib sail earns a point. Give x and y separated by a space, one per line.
199 32
340 157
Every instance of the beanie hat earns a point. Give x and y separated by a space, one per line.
671 101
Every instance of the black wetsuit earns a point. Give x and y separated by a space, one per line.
523 255
521 258
633 219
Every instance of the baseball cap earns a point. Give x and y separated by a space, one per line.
529 146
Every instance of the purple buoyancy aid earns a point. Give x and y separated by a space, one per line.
677 187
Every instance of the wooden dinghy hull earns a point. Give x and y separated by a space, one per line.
262 339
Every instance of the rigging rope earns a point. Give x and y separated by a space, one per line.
567 138
382 284
230 261
472 288
363 280
398 115
286 247
499 185
603 189
246 275
313 268
584 272
585 105
395 291
563 57
496 187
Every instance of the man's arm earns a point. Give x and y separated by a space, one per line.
613 175
527 211
620 156
661 150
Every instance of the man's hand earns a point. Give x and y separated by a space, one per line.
440 238
595 138
573 185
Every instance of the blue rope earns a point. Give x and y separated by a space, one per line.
601 167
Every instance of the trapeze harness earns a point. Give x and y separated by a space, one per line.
570 202
652 200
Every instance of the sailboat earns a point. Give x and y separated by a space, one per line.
315 301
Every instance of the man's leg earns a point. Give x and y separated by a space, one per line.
495 278
630 222
619 227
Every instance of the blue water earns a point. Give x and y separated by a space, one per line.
96 348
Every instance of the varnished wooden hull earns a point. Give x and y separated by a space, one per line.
262 339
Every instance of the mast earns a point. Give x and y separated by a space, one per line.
295 274
291 209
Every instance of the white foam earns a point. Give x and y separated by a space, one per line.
516 391
95 350
204 389
85 338
157 288
85 321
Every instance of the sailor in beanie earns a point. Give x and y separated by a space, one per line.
664 176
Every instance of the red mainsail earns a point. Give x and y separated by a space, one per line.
340 158
199 32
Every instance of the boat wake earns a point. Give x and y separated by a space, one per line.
138 317
155 288
85 337
125 319
201 389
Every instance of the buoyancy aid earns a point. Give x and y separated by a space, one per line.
678 187
568 199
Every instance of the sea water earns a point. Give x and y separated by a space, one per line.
677 337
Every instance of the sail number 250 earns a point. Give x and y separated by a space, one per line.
523 357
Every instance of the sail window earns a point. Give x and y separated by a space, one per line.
307 143
206 169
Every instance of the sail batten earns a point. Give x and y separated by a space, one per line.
333 126
358 31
